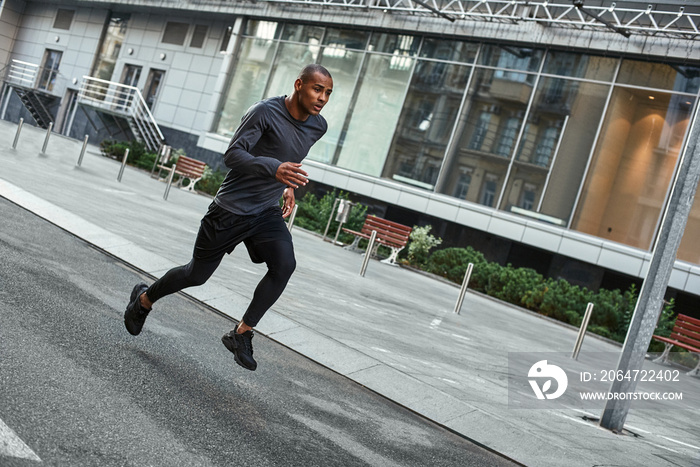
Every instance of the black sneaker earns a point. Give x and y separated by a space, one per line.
135 315
242 347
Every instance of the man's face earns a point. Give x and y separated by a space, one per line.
314 93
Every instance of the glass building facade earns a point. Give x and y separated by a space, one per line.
587 142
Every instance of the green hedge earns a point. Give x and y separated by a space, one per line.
556 298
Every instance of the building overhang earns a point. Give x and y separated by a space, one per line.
665 29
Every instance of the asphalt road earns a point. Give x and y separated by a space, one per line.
77 390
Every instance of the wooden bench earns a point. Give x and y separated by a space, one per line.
186 168
686 335
390 234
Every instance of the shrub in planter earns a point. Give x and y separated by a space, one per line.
451 263
511 284
211 181
138 155
560 297
610 306
481 275
421 242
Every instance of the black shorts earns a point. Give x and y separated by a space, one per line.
221 231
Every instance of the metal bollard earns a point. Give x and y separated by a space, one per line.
368 253
582 331
330 218
290 223
463 290
169 183
82 151
19 128
46 139
121 170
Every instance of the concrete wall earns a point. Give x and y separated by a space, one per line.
79 44
10 15
190 73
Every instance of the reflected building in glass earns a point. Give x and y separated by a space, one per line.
542 147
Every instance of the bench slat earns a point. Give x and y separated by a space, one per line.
685 339
677 343
389 233
687 319
190 167
685 333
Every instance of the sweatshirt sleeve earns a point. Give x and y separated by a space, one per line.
238 157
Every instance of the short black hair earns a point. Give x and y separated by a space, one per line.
309 70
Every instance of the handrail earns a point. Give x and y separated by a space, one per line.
125 100
22 73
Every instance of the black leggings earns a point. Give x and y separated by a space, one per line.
267 240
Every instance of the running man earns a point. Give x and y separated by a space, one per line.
264 158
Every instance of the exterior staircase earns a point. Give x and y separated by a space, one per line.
21 77
36 103
122 101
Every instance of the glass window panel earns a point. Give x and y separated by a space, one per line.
291 58
580 66
512 58
301 33
453 51
346 39
690 247
424 129
398 44
247 84
555 146
63 19
632 167
486 135
344 65
660 75
110 47
262 29
200 33
49 70
376 111
175 33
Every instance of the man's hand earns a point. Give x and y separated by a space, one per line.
290 174
289 202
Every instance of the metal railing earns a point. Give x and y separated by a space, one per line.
637 18
22 73
127 101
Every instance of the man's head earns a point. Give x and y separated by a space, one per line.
312 89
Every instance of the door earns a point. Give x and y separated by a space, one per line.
49 70
155 78
130 77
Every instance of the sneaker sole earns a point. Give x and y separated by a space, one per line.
229 344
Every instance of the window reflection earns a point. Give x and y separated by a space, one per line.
248 83
400 100
554 148
632 166
486 136
365 143
580 66
343 60
426 122
674 77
